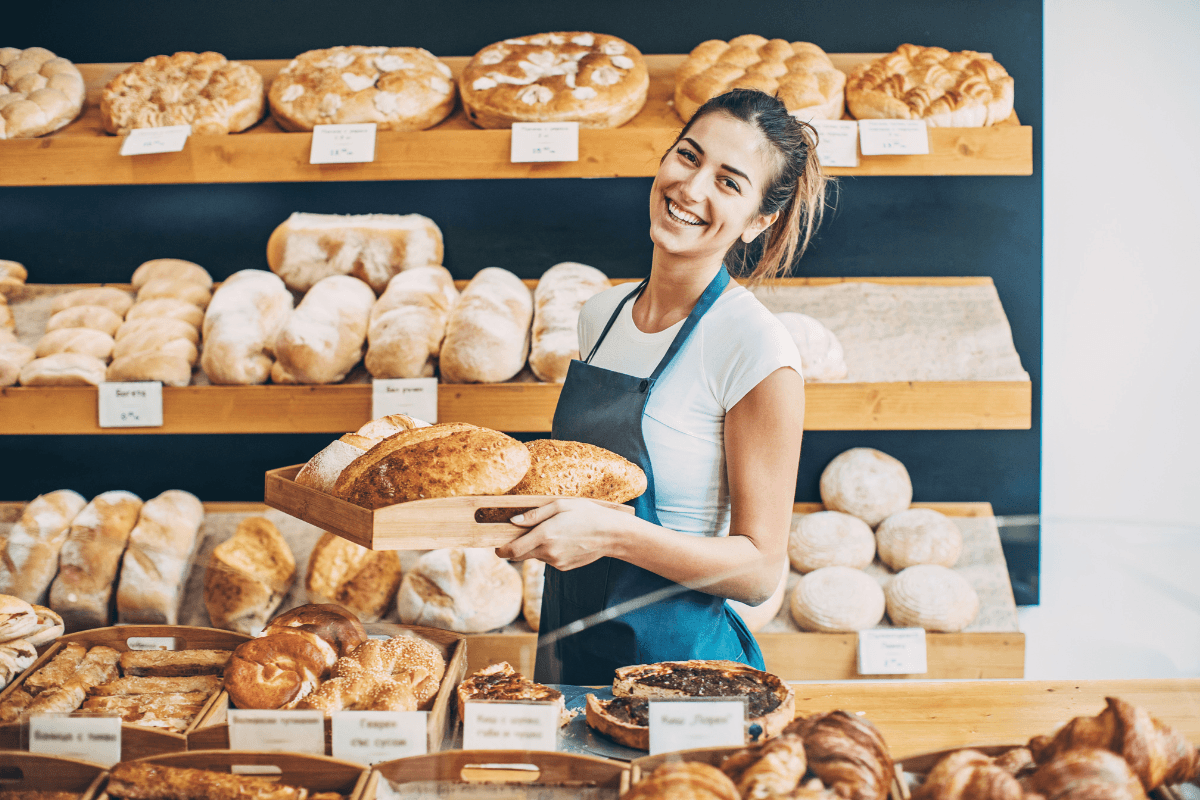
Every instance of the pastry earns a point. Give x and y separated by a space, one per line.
847 753
684 780
64 369
408 323
933 597
969 775
460 589
772 769
371 247
247 577
397 88
487 337
16 656
173 663
335 631
799 74
557 300
361 691
156 559
533 579
837 599
97 667
240 327
503 683
362 581
137 780
918 536
830 539
821 354
322 339
409 659
175 269
959 90
274 671
186 684
39 92
29 551
594 79
17 618
60 668
49 627
867 483
85 341
1086 773
204 90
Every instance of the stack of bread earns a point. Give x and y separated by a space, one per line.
241 325
78 343
13 354
24 627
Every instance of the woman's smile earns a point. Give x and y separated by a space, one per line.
677 213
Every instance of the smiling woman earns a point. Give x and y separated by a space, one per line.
688 376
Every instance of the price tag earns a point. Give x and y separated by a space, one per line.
544 141
95 739
135 404
167 139
416 397
682 724
491 725
892 651
368 737
837 142
343 144
893 137
290 731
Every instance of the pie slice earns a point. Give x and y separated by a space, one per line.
502 682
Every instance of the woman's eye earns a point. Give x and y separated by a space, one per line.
688 154
730 183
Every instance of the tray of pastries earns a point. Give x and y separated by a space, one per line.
230 774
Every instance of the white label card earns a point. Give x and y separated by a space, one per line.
343 144
893 137
510 726
680 724
892 651
167 139
544 141
368 737
95 739
416 397
291 731
837 142
136 404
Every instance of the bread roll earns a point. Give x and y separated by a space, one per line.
559 296
29 551
7 321
95 317
156 559
115 300
17 618
175 288
370 247
168 307
153 339
821 354
12 275
164 328
151 366
918 536
13 356
16 656
837 599
408 323
322 470
63 369
867 483
323 338
172 269
359 580
248 576
932 597
90 557
240 327
487 337
6 335
533 579
458 589
87 341
830 539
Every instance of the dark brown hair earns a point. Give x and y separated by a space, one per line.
797 187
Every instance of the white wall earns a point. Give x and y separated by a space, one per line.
1120 578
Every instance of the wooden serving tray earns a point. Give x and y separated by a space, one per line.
35 772
543 769
416 525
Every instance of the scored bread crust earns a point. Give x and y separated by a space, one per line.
376 453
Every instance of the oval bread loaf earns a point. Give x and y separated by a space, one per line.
557 300
87 341
837 599
172 269
95 317
166 367
460 589
64 369
919 536
29 550
408 324
487 337
867 483
323 337
113 299
154 568
240 327
163 328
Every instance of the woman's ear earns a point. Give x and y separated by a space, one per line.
758 225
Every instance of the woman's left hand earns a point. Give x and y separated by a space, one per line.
566 534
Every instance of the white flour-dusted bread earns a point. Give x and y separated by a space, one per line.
408 323
154 569
370 247
469 590
64 369
830 539
29 551
487 338
173 269
836 599
932 597
918 536
559 296
13 356
240 327
867 483
323 337
39 92
821 354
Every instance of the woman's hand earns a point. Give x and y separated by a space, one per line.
566 534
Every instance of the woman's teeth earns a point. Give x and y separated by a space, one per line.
679 214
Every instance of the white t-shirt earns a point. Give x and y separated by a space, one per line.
734 346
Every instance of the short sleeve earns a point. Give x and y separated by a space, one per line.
759 346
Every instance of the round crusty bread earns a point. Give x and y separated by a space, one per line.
459 589
88 341
918 536
95 317
172 269
932 597
830 539
64 369
837 599
113 299
594 79
533 581
758 616
362 581
821 354
39 92
397 88
867 483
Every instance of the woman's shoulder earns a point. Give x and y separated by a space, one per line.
739 314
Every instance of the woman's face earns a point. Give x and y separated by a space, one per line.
709 188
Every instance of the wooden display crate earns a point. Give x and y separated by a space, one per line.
35 772
83 154
213 731
136 741
605 778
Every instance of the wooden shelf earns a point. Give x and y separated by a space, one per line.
83 154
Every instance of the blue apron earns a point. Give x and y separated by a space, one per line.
605 408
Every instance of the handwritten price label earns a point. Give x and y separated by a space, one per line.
416 397
892 651
136 404
893 137
167 139
277 731
343 144
837 142
490 725
684 724
96 739
544 141
368 737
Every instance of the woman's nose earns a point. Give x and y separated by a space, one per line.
693 187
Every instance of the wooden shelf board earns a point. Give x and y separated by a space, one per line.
83 154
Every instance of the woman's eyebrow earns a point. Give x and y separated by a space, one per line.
726 167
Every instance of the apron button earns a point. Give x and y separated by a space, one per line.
643 386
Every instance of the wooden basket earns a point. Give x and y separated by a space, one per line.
503 767
416 525
34 772
136 741
213 731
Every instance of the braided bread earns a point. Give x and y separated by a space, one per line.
402 658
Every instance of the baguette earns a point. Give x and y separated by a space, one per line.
180 289
114 299
29 551
173 269
173 663
487 335
165 327
557 301
323 338
95 317
169 308
87 341
158 339
240 327
148 686
90 557
64 369
156 560
408 323
13 357
248 576
60 668
170 369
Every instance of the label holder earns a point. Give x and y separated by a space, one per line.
511 725
685 723
893 137
368 737
164 139
837 142
277 730
343 144
130 404
544 142
892 651
80 735
416 397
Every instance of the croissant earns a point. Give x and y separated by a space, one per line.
1086 773
774 768
813 790
1157 754
969 775
847 753
684 780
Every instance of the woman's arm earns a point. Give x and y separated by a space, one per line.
762 456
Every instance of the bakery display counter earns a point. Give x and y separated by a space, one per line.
83 154
932 354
